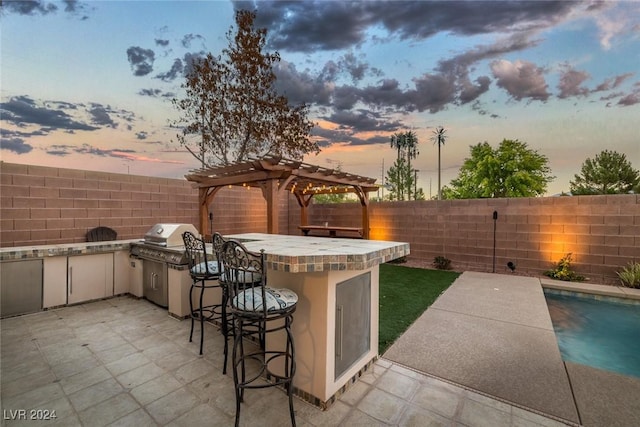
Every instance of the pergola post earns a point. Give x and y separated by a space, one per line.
205 197
203 209
364 201
271 193
304 205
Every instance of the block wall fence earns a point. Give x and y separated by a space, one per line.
43 205
601 232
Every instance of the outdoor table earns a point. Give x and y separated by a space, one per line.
335 325
333 230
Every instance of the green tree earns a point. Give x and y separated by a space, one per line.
398 142
608 173
511 170
400 181
231 110
439 137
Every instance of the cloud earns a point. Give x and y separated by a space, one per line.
521 79
570 81
141 60
101 116
613 82
301 87
449 83
22 110
177 70
88 149
363 121
17 145
141 135
22 7
59 150
189 38
39 7
154 93
631 99
326 137
613 22
332 25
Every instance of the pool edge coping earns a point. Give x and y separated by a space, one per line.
589 288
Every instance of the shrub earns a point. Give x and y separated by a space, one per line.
630 275
441 263
563 271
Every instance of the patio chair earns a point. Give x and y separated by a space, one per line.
205 272
257 311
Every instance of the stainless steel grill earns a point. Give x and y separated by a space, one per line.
162 245
168 234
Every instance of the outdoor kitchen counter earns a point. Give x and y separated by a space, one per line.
300 254
335 325
66 249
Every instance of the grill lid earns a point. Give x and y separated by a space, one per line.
168 234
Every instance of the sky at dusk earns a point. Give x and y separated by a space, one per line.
88 85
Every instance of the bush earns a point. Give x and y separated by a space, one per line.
563 271
441 263
630 275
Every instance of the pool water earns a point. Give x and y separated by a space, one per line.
601 333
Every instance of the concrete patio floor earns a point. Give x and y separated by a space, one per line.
493 333
125 362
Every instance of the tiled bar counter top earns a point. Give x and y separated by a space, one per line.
66 249
325 273
297 254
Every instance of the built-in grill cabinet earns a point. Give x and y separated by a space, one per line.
162 246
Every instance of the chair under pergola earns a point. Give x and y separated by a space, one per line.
274 175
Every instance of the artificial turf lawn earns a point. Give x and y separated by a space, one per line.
405 293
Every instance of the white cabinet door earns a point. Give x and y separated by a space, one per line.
89 277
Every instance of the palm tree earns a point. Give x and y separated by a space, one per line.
439 138
411 145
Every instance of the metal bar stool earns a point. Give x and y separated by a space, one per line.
258 310
226 326
205 272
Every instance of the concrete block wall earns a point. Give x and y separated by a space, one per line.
44 205
601 232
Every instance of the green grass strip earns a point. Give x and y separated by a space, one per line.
405 293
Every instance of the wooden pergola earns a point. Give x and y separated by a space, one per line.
274 175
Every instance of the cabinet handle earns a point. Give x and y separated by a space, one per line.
339 318
70 280
153 281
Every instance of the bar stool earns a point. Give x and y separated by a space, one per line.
258 310
205 272
226 322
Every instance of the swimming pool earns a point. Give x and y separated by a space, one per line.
600 332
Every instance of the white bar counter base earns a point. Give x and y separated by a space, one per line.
313 267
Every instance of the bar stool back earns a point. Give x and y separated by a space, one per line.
258 310
205 272
227 322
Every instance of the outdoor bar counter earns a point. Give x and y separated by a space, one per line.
335 325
